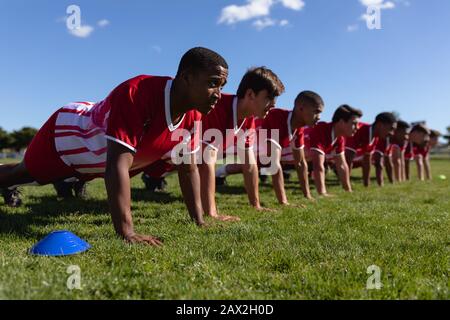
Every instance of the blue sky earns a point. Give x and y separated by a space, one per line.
320 45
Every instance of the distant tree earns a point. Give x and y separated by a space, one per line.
22 138
5 139
448 135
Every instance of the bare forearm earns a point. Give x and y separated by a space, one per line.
208 188
117 183
250 172
190 187
427 167
366 170
319 179
302 172
420 170
344 176
278 186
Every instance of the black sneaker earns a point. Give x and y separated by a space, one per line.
154 184
63 189
221 181
162 185
79 188
263 178
12 197
286 175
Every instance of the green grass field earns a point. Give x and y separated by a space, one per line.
321 252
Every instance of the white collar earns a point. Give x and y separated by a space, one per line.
235 116
333 138
371 137
170 125
289 118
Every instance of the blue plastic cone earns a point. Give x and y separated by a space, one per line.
60 243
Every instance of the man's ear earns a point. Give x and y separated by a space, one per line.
250 94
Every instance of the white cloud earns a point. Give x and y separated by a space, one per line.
157 49
259 10
382 4
254 9
284 23
103 23
293 4
82 32
352 28
264 23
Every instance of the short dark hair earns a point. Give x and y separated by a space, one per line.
309 97
345 112
386 117
259 79
420 128
434 133
199 58
403 125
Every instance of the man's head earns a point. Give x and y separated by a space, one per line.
434 138
204 73
419 134
345 119
385 124
308 107
401 133
259 88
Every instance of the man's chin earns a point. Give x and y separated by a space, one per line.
207 109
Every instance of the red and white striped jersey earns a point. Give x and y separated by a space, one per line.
136 114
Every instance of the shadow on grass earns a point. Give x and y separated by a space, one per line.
142 194
43 211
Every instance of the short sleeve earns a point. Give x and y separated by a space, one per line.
299 139
125 122
340 145
315 140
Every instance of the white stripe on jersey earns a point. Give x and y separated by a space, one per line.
80 123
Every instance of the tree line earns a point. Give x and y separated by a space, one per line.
16 140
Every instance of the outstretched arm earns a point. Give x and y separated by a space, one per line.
366 163
250 172
277 177
117 181
207 170
319 172
343 172
189 179
379 166
301 167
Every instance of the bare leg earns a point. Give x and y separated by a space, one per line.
14 174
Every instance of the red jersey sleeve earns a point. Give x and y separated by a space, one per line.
126 120
299 139
270 127
316 139
340 145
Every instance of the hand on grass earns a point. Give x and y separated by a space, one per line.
144 239
226 218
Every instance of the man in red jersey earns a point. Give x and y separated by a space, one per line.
327 140
141 120
397 149
231 125
365 141
419 135
422 155
285 141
